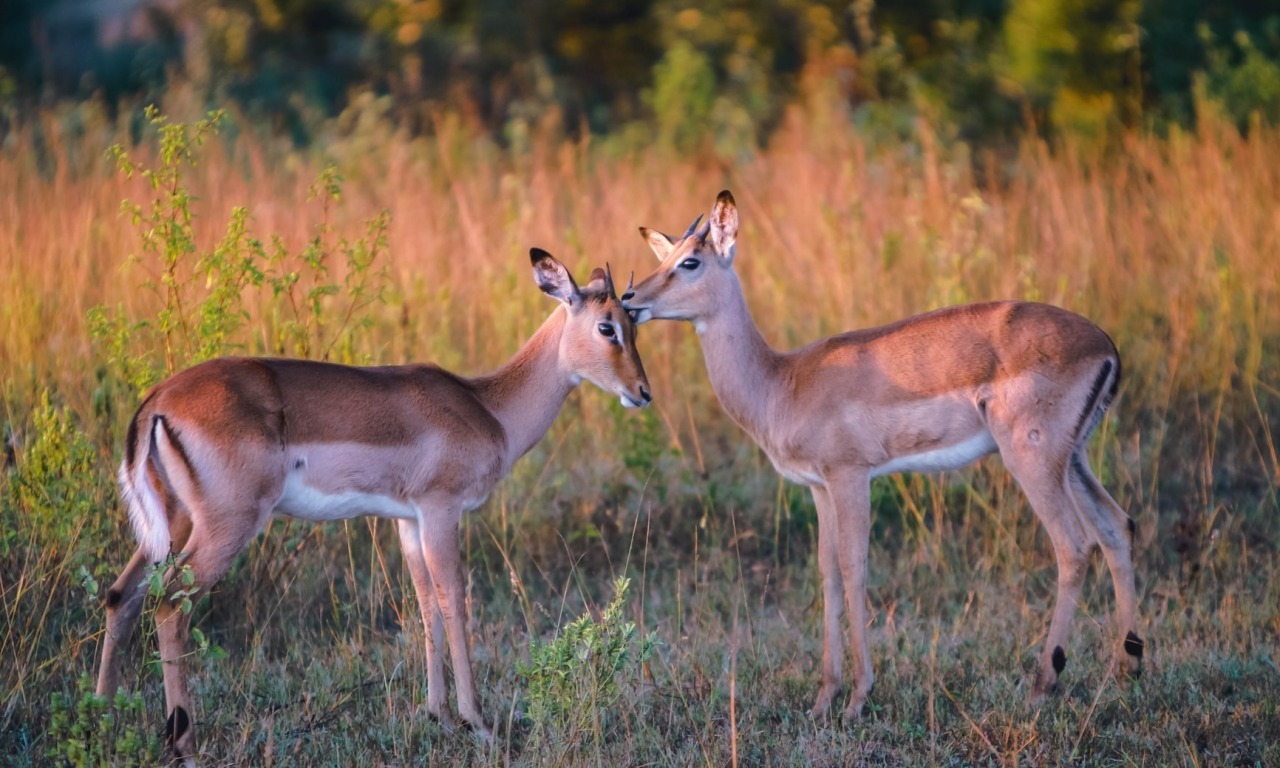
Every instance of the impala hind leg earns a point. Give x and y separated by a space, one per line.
432 621
1114 533
208 559
832 601
1044 482
123 600
851 500
440 547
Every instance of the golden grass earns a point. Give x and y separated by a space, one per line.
1170 244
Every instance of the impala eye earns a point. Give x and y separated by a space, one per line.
690 264
606 330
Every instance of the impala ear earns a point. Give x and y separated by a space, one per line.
722 229
661 244
553 278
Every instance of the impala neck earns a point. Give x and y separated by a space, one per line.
741 365
526 393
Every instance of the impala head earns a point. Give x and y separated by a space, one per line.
696 274
599 339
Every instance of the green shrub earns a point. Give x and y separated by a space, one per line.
84 730
55 490
204 299
573 681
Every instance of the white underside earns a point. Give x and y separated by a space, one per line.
800 477
938 460
305 502
941 459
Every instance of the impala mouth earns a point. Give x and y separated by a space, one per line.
630 402
639 315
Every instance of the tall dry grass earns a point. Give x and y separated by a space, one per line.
1169 244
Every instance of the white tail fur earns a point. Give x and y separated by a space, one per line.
146 510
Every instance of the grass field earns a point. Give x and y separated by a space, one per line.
315 653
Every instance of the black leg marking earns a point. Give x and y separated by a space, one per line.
113 598
1133 645
1082 473
177 725
1133 532
1059 659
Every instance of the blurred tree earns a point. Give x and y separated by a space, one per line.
683 95
1242 78
1185 37
1076 62
947 49
715 73
59 48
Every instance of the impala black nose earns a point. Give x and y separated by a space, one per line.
644 393
628 295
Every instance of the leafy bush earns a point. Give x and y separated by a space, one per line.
57 488
575 679
88 730
205 298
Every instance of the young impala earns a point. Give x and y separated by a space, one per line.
929 393
216 450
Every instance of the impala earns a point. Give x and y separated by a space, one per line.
216 450
929 393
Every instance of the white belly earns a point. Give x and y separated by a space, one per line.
801 475
306 502
940 459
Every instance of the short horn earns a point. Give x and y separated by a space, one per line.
608 279
631 282
693 227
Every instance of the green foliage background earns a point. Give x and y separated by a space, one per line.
988 69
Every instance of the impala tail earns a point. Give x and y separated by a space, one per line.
152 468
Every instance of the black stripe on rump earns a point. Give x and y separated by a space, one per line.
1091 405
172 434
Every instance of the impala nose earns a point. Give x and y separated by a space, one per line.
644 393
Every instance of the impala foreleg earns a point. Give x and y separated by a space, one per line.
432 621
832 601
440 547
851 498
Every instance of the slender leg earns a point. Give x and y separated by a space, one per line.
832 601
124 602
1046 487
1114 531
440 546
173 627
432 621
851 499
208 560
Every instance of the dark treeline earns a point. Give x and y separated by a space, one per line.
679 70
